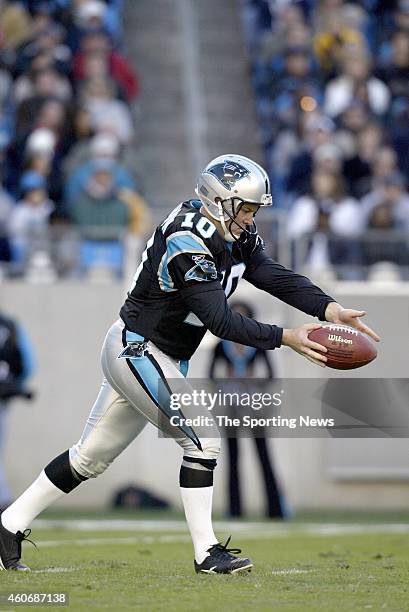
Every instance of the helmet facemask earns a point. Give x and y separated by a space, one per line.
228 211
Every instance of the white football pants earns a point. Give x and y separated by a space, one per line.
134 391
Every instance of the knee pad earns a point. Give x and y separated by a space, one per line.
86 467
210 448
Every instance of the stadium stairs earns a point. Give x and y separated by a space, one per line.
196 99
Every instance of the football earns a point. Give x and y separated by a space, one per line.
347 347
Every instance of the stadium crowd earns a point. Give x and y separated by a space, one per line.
332 98
67 137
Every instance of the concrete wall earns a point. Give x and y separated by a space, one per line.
67 323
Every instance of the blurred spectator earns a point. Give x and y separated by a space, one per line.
318 131
353 119
392 16
82 132
96 46
336 29
40 157
328 158
49 135
28 223
99 212
5 86
42 83
356 82
41 142
392 192
87 16
288 29
387 208
15 24
286 147
358 168
401 15
395 72
294 82
103 146
104 210
256 16
16 366
384 164
104 215
47 43
330 220
399 133
98 97
94 16
6 206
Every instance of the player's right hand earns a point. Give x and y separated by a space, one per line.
298 340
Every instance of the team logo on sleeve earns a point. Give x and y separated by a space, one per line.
203 270
228 173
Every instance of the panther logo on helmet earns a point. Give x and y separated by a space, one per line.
228 173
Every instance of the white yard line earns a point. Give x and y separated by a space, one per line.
55 570
248 529
290 571
130 540
279 572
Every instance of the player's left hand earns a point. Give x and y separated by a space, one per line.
351 317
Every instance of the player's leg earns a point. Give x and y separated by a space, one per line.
112 424
152 371
145 381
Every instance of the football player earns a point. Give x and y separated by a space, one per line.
191 265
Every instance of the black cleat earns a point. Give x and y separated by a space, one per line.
221 560
10 549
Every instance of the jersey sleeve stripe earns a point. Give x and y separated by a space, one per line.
177 243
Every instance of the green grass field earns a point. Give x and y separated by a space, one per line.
359 564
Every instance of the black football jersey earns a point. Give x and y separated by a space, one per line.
188 271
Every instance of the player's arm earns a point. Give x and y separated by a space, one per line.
298 291
210 306
194 274
192 270
292 288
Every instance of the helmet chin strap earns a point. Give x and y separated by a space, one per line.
228 235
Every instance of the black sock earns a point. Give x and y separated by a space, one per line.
62 474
